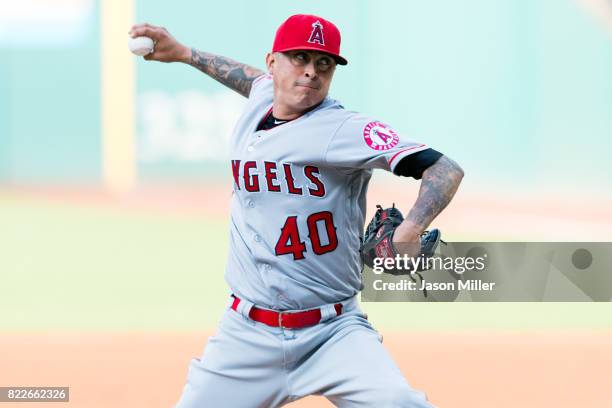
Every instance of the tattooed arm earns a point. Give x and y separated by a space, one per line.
236 76
438 186
230 73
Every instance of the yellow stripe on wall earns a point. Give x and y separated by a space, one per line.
118 161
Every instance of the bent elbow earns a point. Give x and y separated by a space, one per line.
459 173
454 170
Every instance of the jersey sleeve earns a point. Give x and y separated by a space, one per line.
262 84
415 164
364 143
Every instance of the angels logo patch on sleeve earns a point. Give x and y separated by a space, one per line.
379 136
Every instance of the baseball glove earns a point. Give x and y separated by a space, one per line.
378 241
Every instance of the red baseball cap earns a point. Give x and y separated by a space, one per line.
308 32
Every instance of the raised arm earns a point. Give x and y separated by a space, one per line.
439 183
235 75
230 73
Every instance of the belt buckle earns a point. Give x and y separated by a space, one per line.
280 319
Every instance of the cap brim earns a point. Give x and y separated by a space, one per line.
340 60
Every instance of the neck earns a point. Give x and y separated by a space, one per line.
282 112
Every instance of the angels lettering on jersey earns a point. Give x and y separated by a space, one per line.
277 177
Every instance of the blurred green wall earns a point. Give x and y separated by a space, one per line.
50 98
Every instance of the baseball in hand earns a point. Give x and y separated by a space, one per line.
140 46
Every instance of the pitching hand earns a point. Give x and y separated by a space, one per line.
167 48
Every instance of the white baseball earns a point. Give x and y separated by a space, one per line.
140 45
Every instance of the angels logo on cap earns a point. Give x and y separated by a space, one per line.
380 136
308 32
316 36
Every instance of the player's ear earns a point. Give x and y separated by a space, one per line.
270 61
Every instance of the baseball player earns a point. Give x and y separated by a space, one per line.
301 164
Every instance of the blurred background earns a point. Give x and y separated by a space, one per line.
115 184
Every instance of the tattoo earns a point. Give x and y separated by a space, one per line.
230 73
438 186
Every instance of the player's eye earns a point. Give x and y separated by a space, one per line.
300 57
324 63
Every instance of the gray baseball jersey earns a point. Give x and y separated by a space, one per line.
299 201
